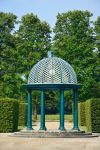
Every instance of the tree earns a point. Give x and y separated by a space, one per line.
52 102
9 80
96 52
97 31
32 43
74 42
36 102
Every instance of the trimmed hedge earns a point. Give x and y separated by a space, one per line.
81 113
22 120
93 115
8 115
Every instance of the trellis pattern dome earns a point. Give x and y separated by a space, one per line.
52 70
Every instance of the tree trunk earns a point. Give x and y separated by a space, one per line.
35 112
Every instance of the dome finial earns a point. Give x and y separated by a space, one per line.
50 54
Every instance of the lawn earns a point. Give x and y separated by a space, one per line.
68 118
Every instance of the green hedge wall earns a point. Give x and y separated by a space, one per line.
88 115
81 113
8 115
93 115
22 120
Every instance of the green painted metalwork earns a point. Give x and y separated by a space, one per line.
61 72
36 68
51 86
42 123
52 73
44 70
75 115
52 70
61 110
29 119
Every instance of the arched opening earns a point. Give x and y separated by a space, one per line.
52 109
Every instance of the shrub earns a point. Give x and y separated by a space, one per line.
81 113
93 115
8 115
88 115
22 120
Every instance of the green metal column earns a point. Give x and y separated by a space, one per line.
29 115
42 106
75 115
61 110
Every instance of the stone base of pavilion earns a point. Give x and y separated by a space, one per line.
53 134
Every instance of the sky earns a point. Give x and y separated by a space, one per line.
47 10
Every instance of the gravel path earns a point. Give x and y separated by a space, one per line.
16 143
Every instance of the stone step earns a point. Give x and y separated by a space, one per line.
53 134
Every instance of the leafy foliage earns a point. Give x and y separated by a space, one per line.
8 115
93 115
22 117
97 32
74 42
52 102
82 113
10 80
96 73
20 50
32 42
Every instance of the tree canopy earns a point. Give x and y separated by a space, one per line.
20 50
9 80
76 40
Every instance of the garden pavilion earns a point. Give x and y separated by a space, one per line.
56 74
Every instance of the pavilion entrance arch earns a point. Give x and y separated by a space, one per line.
48 74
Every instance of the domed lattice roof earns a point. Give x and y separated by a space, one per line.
52 70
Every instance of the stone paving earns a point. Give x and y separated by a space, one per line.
53 125
16 143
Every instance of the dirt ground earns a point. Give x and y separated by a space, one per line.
19 143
